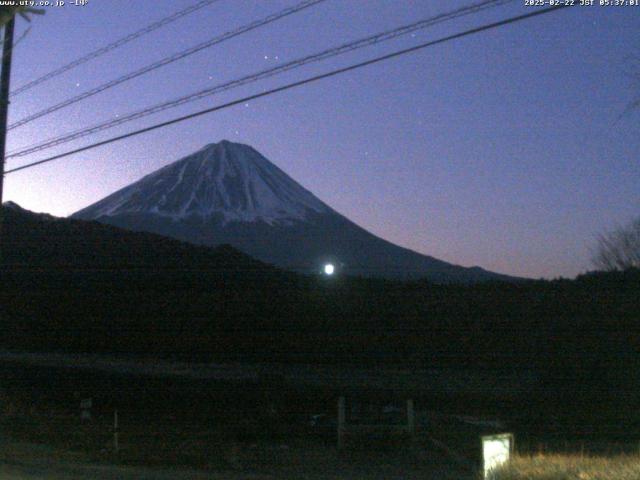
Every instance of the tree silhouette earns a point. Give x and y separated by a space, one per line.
619 249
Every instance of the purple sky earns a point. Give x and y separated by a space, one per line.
506 149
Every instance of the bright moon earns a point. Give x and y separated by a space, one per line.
329 269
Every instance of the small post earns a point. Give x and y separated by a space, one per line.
341 422
116 445
85 409
411 418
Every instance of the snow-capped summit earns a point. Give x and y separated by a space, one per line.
226 180
229 193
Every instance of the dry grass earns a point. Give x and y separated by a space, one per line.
571 467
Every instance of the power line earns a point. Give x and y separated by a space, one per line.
316 57
112 46
294 85
168 60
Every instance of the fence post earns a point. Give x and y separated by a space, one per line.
341 422
411 419
116 445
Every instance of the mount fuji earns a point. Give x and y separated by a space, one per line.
229 193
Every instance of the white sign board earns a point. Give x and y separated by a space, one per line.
496 450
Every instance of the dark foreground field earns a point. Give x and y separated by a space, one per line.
234 358
179 423
314 463
172 427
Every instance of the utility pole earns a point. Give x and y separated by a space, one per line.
5 78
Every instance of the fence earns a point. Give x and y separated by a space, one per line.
360 429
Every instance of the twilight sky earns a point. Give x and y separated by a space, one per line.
508 149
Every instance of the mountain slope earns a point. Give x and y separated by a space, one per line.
43 243
230 193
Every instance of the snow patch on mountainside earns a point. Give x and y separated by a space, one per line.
226 180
